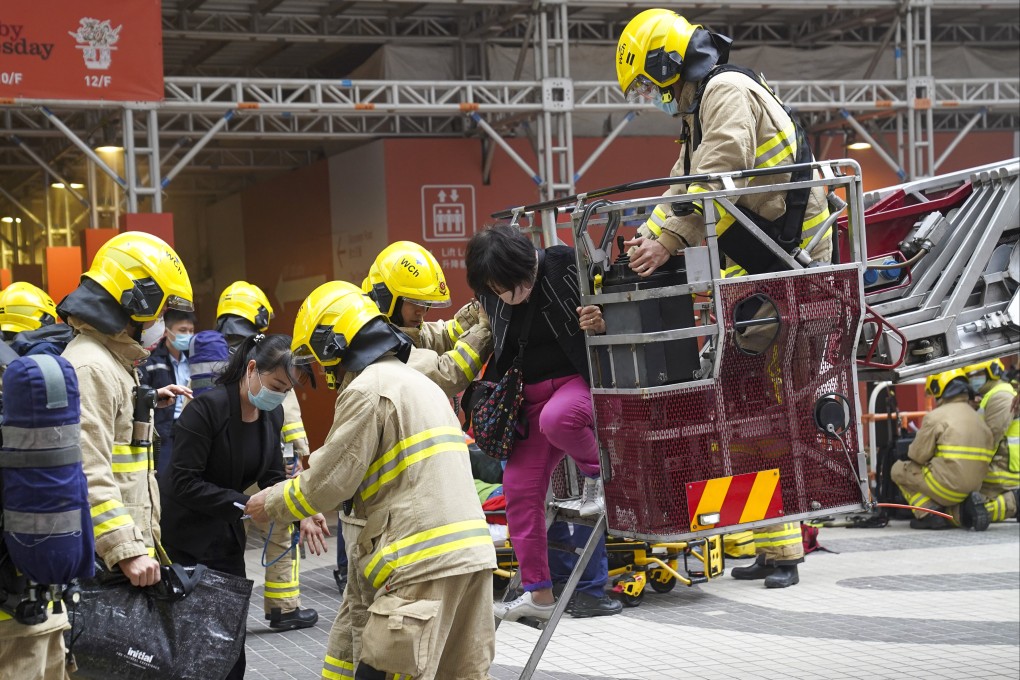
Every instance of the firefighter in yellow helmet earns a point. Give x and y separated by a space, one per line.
948 458
28 321
244 310
731 120
397 450
114 312
1001 486
406 281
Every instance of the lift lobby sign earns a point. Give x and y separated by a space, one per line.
68 49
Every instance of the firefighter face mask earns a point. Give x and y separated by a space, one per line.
977 381
151 335
265 399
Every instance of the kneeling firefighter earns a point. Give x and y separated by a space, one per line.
47 544
397 450
116 312
948 458
243 311
1001 486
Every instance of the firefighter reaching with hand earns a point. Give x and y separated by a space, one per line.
397 450
731 121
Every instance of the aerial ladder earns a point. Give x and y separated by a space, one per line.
703 432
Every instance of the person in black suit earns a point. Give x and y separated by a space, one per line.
227 439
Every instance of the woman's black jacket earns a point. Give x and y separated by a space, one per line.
206 476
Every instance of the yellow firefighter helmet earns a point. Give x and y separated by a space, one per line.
247 301
328 321
406 270
142 273
24 307
994 369
937 384
658 48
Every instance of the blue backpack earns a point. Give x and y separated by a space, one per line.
47 526
208 356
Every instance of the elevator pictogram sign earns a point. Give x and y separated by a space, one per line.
447 212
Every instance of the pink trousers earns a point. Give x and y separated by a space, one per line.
561 420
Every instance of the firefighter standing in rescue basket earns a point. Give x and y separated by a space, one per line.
405 281
731 121
1001 487
115 312
243 310
396 449
948 458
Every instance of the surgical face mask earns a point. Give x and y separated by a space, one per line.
978 381
517 295
265 399
181 341
670 108
151 335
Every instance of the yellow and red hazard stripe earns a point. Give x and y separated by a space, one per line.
737 499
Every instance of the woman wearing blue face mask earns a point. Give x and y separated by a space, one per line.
226 440
168 365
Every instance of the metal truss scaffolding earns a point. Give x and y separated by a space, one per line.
240 124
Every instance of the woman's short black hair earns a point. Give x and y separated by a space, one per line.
269 352
499 256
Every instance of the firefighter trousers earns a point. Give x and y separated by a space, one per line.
442 628
283 588
781 544
909 476
997 488
343 648
25 653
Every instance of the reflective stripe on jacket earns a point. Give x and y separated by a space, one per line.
743 127
955 448
997 410
396 448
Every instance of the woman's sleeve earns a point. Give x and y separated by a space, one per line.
276 472
195 442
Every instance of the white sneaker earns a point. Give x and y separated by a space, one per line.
592 500
521 607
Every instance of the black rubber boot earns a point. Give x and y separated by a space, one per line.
583 606
340 576
292 620
754 572
783 577
1016 504
366 672
930 521
973 514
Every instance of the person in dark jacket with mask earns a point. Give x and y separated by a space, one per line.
168 365
225 441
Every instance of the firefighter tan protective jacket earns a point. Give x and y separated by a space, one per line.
955 448
997 410
293 431
743 127
121 478
451 353
397 449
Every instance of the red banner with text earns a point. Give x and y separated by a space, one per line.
68 49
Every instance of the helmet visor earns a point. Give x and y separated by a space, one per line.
302 356
428 304
179 303
643 91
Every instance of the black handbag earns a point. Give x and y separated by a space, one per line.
495 406
189 626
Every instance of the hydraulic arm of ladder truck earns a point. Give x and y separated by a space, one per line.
732 402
